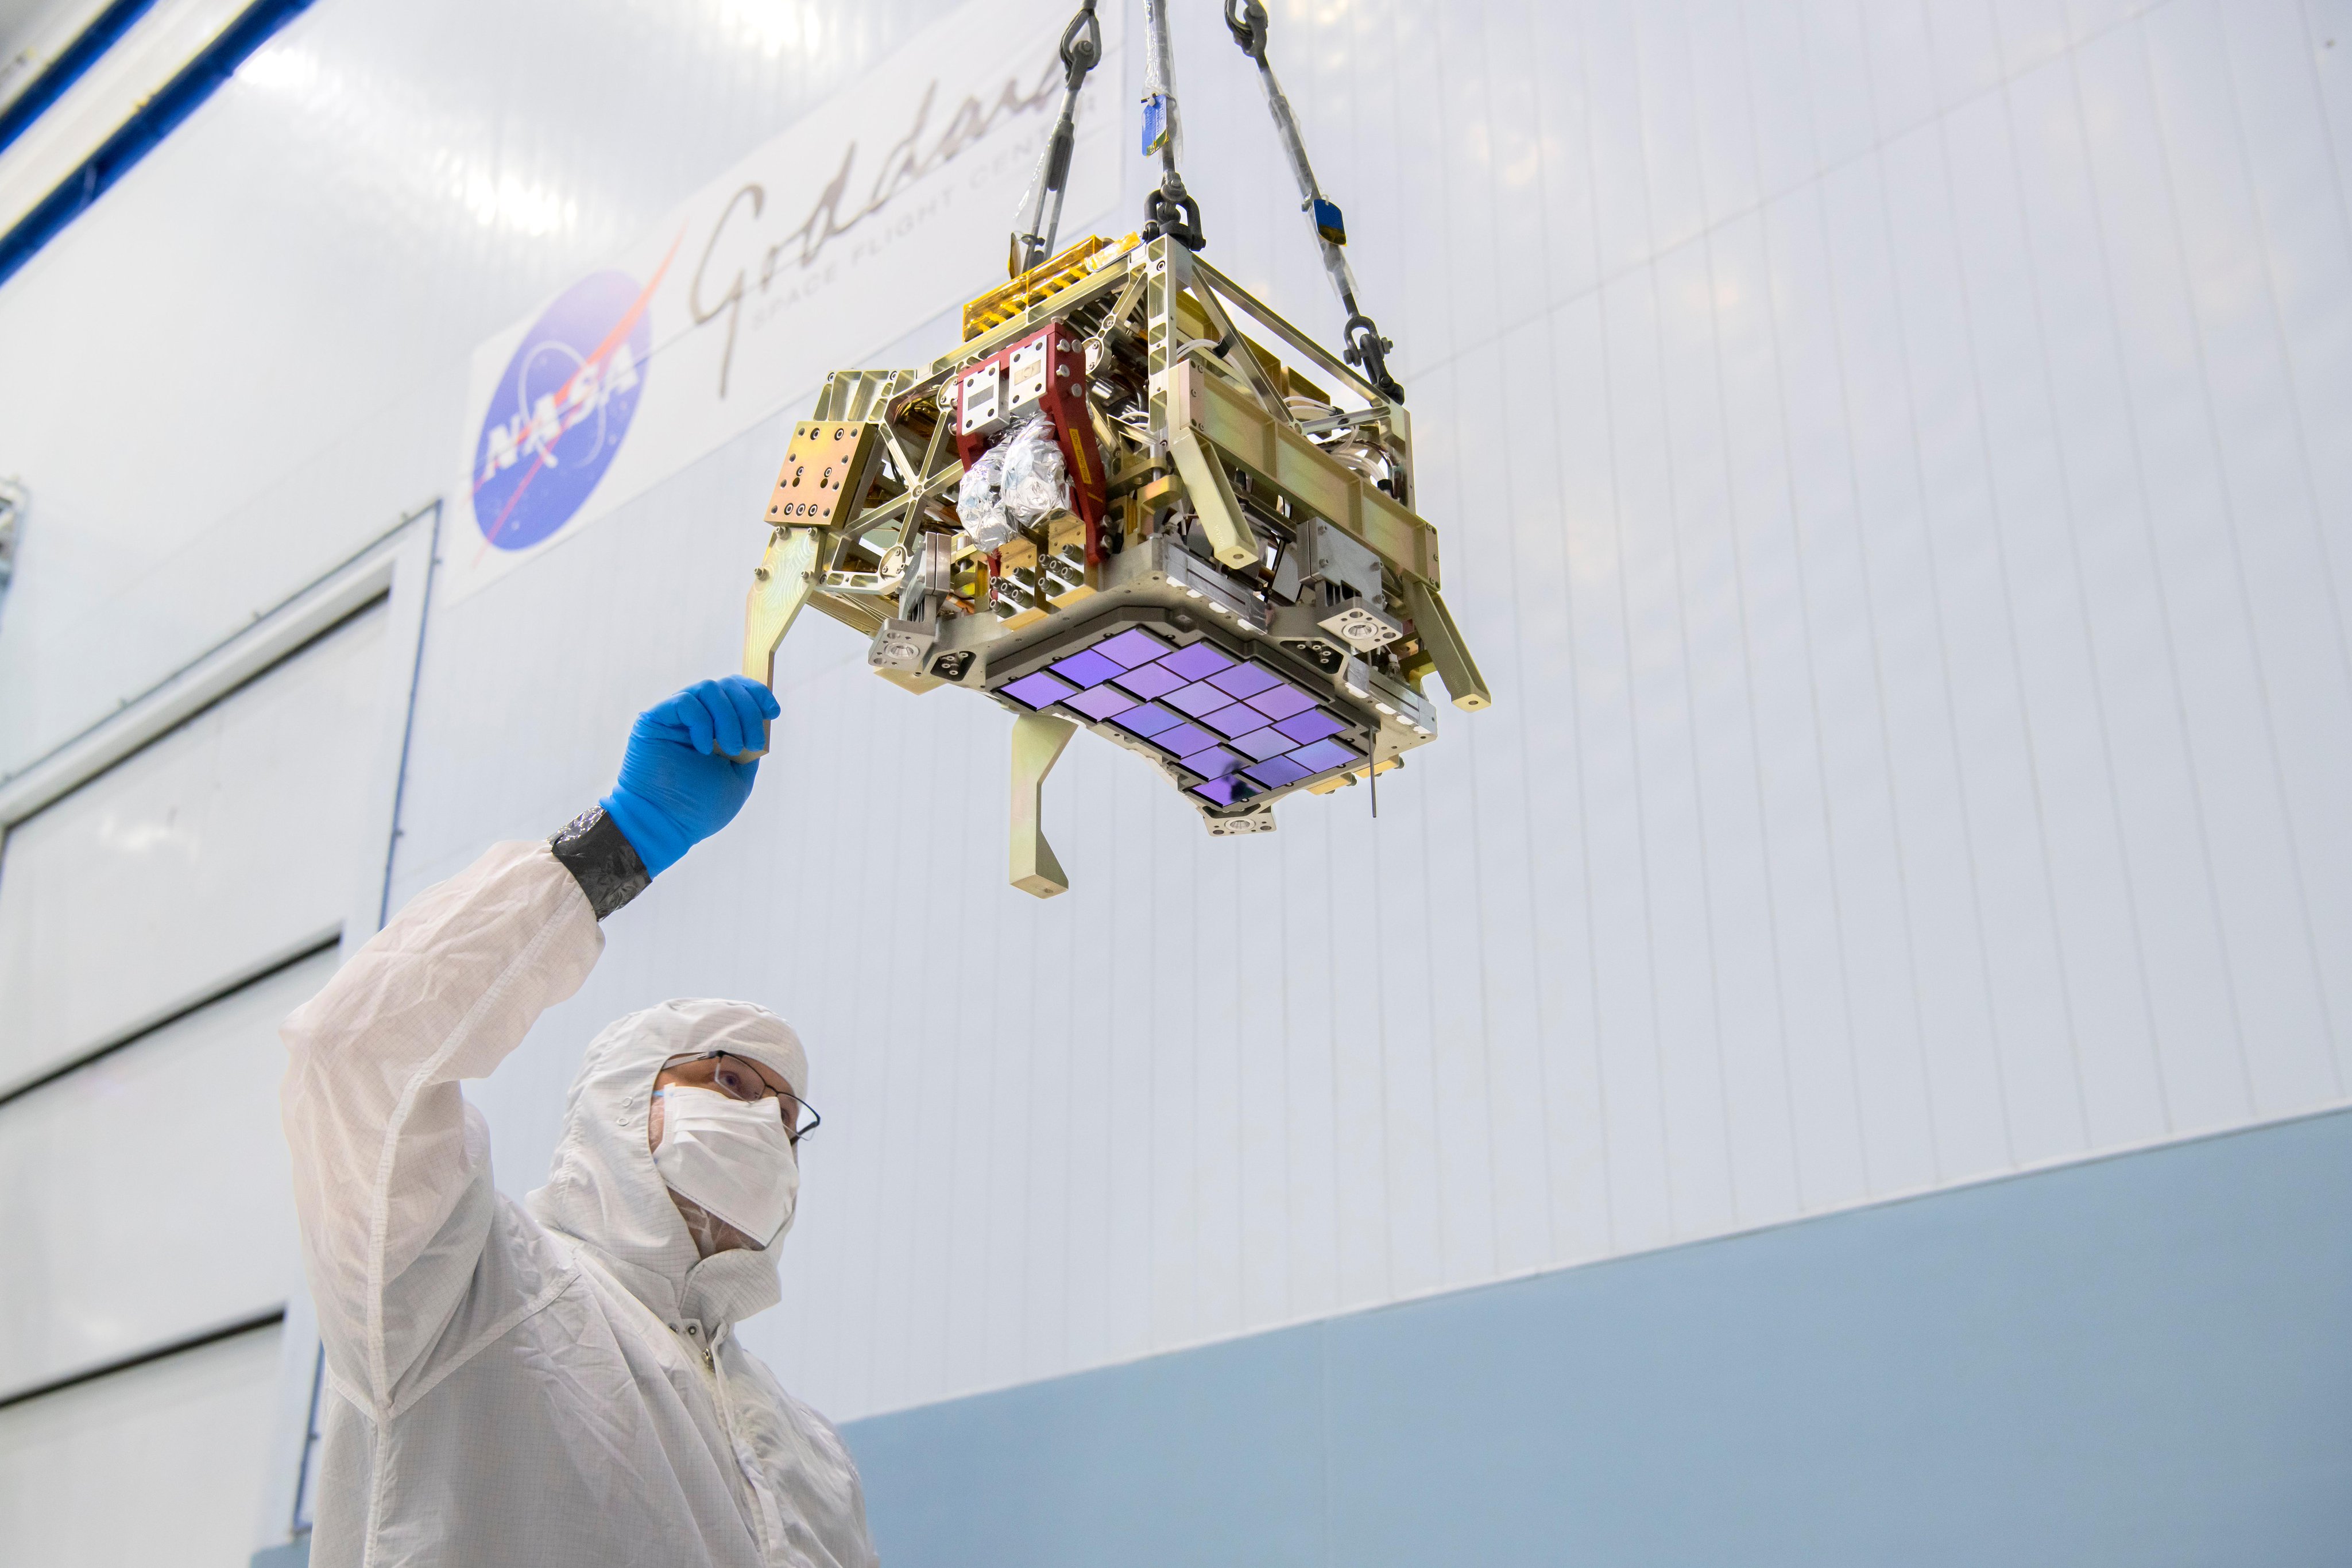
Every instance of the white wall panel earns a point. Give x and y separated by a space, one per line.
385 184
159 1464
1877 712
230 840
1885 456
146 1196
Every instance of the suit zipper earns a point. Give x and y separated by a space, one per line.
762 1505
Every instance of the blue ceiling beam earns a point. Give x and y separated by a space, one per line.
139 135
101 34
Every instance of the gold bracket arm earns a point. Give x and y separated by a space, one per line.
1124 306
1204 473
1434 623
1257 310
1237 431
1235 349
1230 534
781 584
1037 742
931 481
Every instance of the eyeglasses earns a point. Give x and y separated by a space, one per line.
739 1079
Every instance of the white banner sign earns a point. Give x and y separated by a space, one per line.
888 205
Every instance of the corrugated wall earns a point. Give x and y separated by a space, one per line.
1886 457
1881 452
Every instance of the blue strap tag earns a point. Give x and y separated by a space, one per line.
1328 223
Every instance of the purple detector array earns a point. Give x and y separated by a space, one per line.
1238 726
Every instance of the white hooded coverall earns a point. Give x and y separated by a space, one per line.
552 1382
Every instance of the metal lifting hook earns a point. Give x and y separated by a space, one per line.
1246 20
1168 210
1041 206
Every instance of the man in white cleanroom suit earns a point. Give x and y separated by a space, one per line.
558 1381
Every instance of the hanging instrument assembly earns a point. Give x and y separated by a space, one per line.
1111 506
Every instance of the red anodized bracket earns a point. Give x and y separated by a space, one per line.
1065 404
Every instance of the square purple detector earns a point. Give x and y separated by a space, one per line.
1100 703
1263 743
1196 663
1278 771
1281 701
1325 753
1224 791
1087 669
1040 690
1245 680
1309 726
1151 681
1133 647
1184 739
1214 763
1147 720
1199 699
1239 719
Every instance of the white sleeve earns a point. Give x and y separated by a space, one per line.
392 1169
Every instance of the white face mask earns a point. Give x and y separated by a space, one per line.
733 1156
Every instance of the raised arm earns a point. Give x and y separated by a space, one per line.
391 1167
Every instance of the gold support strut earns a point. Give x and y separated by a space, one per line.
780 586
1222 519
1037 742
1443 638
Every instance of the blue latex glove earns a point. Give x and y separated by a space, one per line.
679 782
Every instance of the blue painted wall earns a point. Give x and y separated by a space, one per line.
2141 1360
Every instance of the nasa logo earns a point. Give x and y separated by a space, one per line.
561 410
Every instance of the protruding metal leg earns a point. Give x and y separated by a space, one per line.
1230 534
1443 640
780 586
1037 742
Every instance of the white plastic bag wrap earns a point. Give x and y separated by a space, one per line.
1034 481
979 503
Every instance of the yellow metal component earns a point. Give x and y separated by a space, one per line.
1341 780
1282 457
1187 411
1107 279
1048 278
851 613
1194 322
1067 531
1323 359
1037 742
1150 497
853 394
1301 387
825 472
1020 554
1231 538
780 586
1442 641
1259 369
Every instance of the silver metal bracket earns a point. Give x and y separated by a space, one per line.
903 645
1361 627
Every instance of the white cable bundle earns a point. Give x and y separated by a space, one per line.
980 502
1034 481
